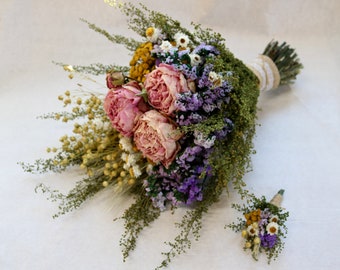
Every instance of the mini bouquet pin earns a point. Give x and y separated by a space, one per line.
264 225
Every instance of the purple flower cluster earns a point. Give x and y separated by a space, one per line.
184 181
194 108
161 186
268 240
206 50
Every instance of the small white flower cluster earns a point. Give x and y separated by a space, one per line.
203 140
166 46
100 125
130 157
271 228
181 42
215 78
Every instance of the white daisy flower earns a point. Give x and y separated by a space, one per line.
274 218
166 46
182 40
195 59
153 34
272 228
215 78
253 229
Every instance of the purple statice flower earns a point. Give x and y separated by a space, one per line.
209 107
172 198
188 156
267 240
189 72
191 118
159 201
188 101
183 52
204 50
264 219
191 187
191 164
204 81
156 49
160 186
221 134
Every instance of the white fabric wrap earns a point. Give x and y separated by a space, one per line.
266 71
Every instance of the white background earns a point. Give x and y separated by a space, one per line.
297 142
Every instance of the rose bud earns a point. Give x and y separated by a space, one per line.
114 79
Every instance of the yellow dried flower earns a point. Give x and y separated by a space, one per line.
257 240
252 217
142 62
150 31
131 181
113 174
247 245
244 233
115 165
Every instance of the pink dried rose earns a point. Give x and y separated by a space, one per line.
156 137
124 106
162 86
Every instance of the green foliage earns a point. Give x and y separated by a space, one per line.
190 227
82 191
95 69
129 43
141 18
138 216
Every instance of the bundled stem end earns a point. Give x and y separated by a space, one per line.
286 60
277 199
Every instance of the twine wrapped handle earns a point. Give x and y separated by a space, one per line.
277 199
277 65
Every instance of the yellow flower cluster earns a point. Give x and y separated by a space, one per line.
252 217
142 62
